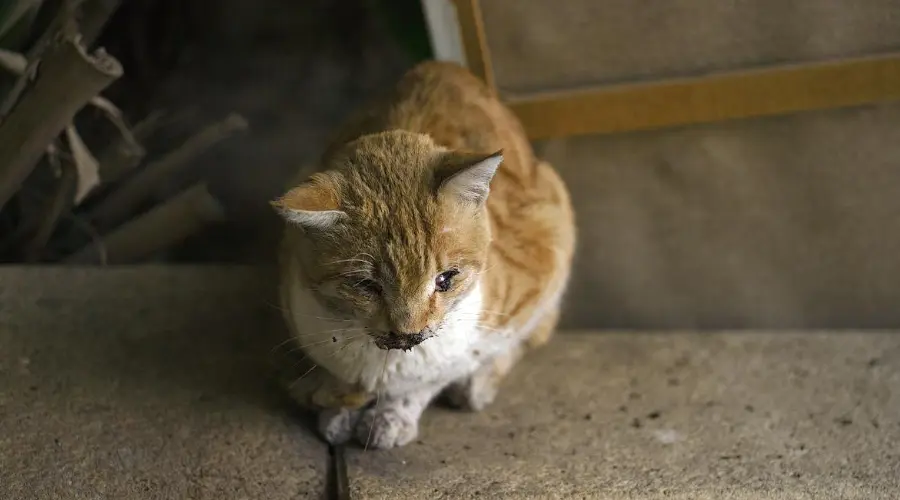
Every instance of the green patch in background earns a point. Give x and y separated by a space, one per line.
406 22
17 23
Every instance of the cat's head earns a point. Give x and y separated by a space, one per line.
394 233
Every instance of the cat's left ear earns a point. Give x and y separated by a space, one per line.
313 204
468 176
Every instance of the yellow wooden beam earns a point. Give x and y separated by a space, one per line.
471 28
737 94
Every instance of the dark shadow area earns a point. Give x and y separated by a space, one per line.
276 76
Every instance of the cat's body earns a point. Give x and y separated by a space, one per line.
403 275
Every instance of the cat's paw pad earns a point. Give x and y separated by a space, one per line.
387 428
337 425
473 394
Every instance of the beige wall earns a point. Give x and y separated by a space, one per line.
787 222
559 44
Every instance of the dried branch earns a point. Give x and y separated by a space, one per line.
122 202
60 204
124 153
62 25
13 62
94 16
145 128
69 78
87 167
115 116
158 229
16 64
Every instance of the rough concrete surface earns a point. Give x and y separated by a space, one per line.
713 416
150 382
144 383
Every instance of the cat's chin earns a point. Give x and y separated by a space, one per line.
404 342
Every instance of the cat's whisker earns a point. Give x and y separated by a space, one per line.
322 334
370 262
353 272
346 345
310 334
274 306
295 382
352 328
333 340
347 339
496 313
281 344
311 344
476 321
323 318
326 335
377 401
359 282
491 330
294 313
488 328
352 259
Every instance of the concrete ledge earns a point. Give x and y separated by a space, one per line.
151 382
645 416
130 383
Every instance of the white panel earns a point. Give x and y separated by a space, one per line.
443 29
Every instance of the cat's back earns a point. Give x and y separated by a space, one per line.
447 102
451 105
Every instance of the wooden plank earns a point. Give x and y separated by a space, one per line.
739 94
471 28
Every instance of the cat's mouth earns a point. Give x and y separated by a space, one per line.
404 341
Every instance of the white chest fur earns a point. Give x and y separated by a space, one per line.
347 352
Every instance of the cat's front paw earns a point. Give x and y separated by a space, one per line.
386 428
474 393
337 425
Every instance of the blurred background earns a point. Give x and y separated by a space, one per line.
765 199
290 70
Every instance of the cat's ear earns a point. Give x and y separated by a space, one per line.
468 176
312 205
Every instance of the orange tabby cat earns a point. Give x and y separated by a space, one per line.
428 253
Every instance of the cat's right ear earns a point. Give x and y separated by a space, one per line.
467 176
311 205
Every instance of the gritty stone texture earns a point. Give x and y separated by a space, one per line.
711 416
144 383
151 382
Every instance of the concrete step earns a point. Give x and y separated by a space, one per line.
151 382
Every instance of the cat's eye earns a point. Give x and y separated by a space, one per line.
368 286
444 281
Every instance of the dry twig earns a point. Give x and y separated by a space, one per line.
119 205
94 16
62 26
86 166
125 153
69 78
60 204
157 229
